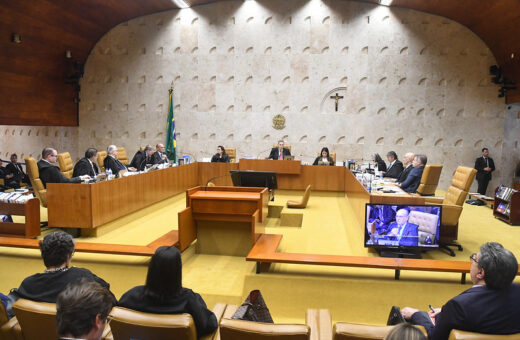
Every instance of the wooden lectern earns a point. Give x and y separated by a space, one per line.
224 220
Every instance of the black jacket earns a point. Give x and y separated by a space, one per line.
83 167
402 176
113 164
413 180
480 164
157 159
395 170
187 302
140 160
51 174
17 171
217 159
275 154
318 159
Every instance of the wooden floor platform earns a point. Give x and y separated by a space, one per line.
169 239
265 252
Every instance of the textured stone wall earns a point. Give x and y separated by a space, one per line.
410 82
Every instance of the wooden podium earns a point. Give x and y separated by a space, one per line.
224 220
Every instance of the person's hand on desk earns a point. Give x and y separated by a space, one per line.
84 177
9 176
132 169
407 312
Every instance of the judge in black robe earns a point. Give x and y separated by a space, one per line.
50 173
142 157
87 165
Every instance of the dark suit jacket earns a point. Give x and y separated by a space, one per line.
275 154
17 171
478 309
51 174
83 167
385 214
113 164
413 180
409 236
404 174
318 159
217 159
480 164
394 170
140 160
157 159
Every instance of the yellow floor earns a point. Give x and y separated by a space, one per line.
352 294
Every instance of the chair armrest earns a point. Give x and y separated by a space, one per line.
11 330
450 214
107 333
320 322
222 311
434 200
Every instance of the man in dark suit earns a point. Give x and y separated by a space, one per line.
50 173
142 157
280 152
401 230
16 170
485 166
490 306
408 159
395 167
111 162
87 165
159 156
412 181
382 216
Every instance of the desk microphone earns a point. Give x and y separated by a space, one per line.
216 177
261 152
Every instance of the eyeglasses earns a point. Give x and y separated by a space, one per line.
108 319
473 257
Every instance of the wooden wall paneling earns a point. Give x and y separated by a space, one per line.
70 205
210 170
327 178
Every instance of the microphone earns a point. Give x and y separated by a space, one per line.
216 177
141 165
263 152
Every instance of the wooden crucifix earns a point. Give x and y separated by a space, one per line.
337 97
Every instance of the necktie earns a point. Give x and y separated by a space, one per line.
280 154
487 163
92 166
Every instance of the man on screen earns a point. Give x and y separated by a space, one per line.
403 231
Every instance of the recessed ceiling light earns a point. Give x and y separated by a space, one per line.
385 2
181 3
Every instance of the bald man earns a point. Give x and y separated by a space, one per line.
159 156
50 173
407 159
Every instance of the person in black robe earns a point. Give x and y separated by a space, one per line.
111 162
142 157
50 173
87 165
163 292
159 156
280 152
408 166
324 158
381 165
395 167
221 156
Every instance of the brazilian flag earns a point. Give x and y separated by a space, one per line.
171 141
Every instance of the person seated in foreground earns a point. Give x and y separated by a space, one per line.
50 173
82 310
408 159
414 177
163 292
159 156
221 156
395 167
111 162
280 152
491 306
380 163
15 168
142 157
87 165
405 331
56 249
324 158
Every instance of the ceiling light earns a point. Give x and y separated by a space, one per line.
181 3
17 38
385 2
68 54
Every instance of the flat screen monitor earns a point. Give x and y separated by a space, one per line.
402 226
250 178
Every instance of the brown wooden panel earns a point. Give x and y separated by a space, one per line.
208 171
280 167
187 228
326 178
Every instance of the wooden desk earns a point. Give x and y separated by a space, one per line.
91 205
29 209
280 167
224 220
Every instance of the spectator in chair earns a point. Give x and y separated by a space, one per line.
50 173
163 292
414 177
490 306
19 176
82 310
405 331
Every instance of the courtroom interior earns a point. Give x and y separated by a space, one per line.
340 156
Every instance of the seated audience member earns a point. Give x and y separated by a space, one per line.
408 159
405 331
87 165
490 306
401 230
50 173
381 216
280 152
6 176
395 167
159 156
324 158
380 163
412 181
142 157
82 310
221 156
15 168
111 162
163 292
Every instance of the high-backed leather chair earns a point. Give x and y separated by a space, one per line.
37 320
452 206
66 164
232 153
332 155
9 329
301 204
122 156
101 155
239 330
429 180
352 331
34 176
427 224
456 334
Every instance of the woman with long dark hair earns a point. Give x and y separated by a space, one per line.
221 155
163 292
324 158
381 165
